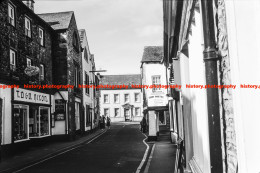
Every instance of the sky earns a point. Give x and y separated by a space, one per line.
117 30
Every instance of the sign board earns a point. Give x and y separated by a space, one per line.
31 96
157 100
59 109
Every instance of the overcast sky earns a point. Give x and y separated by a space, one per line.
117 30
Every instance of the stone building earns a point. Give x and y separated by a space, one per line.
68 71
155 101
121 104
214 42
25 58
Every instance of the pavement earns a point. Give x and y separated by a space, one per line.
120 149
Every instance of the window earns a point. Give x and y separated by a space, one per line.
137 111
76 76
106 112
41 72
126 97
28 31
29 62
86 82
12 59
86 54
77 120
41 36
20 118
106 99
116 112
116 98
156 81
75 42
11 14
137 97
88 115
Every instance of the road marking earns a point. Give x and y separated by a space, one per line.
58 154
145 155
149 160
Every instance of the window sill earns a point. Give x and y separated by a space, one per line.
22 140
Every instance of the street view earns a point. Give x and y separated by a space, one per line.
129 86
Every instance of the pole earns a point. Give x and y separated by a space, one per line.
210 59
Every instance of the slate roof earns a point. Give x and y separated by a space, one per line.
153 54
129 79
59 20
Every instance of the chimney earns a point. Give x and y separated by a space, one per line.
29 3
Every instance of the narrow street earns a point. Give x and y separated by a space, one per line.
120 149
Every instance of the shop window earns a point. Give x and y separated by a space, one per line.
77 120
20 118
11 14
39 121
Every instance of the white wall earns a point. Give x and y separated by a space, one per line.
243 26
111 105
5 94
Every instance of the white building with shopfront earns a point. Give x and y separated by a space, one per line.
121 104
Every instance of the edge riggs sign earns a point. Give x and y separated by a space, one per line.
31 96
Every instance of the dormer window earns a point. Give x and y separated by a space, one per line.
75 42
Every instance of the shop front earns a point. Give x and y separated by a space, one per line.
30 115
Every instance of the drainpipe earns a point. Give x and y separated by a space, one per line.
211 60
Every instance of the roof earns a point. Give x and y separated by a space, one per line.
128 79
59 20
153 54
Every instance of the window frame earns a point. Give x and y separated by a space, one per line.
12 59
13 22
139 111
128 98
115 98
42 71
156 83
107 98
139 97
107 112
28 60
28 31
41 39
115 112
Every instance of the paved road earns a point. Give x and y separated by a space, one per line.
120 150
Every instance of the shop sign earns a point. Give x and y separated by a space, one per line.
59 109
31 96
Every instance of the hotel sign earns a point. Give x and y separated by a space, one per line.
31 96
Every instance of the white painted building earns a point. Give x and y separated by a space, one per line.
153 72
121 104
88 65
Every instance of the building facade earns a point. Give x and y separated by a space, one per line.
155 101
89 78
68 71
123 104
25 59
206 43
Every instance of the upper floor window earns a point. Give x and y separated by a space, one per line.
12 59
127 98
116 98
156 81
86 54
41 72
75 41
41 36
137 97
11 14
106 99
29 62
28 31
76 76
87 82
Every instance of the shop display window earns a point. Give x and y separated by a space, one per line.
20 118
39 121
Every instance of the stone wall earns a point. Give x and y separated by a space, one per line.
226 101
13 37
